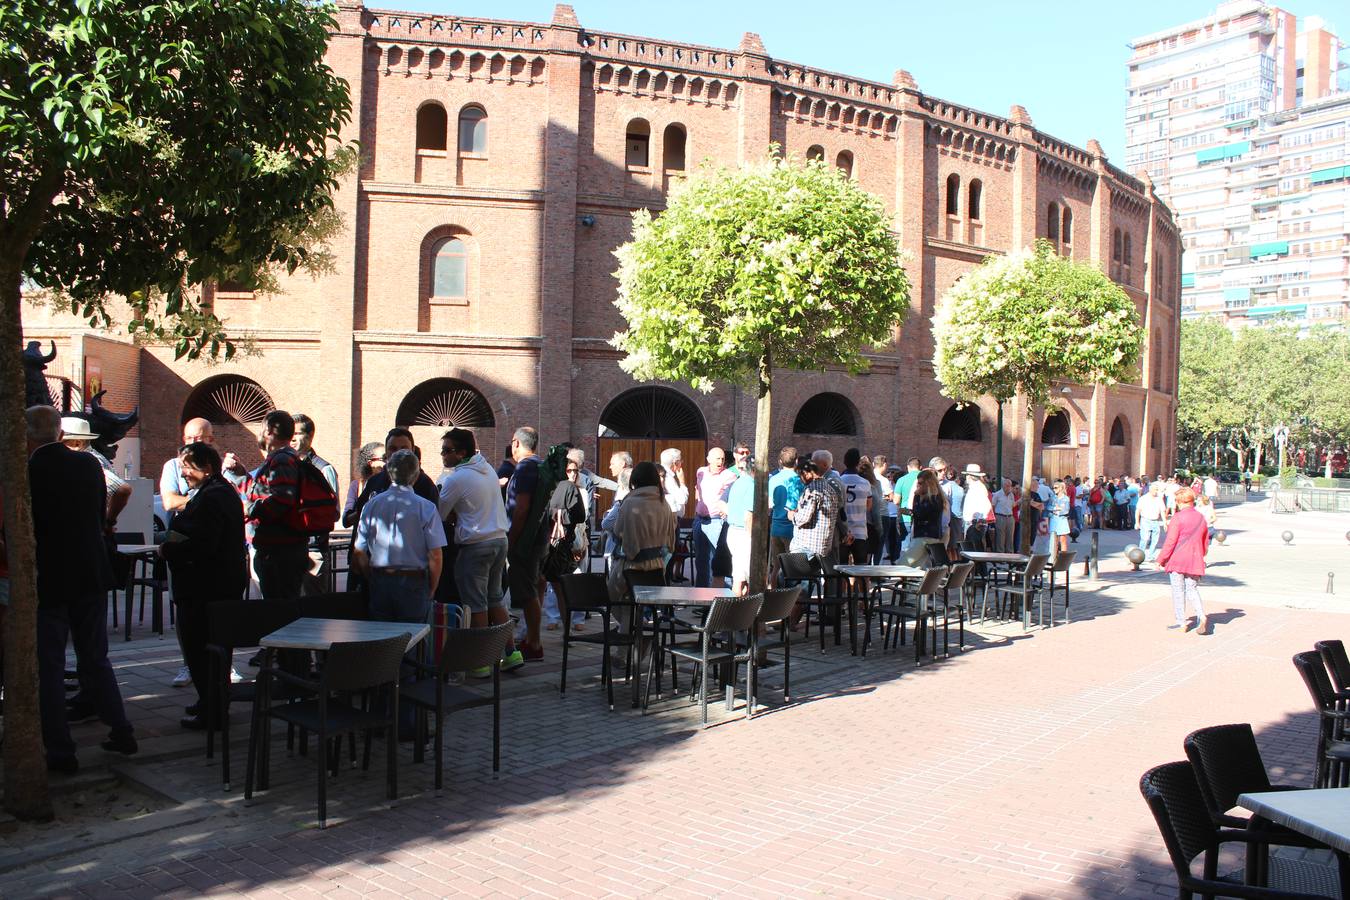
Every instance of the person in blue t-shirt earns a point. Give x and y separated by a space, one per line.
740 505
785 489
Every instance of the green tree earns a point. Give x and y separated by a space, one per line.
1016 324
770 266
145 149
1206 408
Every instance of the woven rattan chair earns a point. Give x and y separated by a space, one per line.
589 592
726 616
1333 750
368 668
906 601
1227 764
235 625
1173 795
462 650
1337 663
1023 589
1058 573
775 615
954 589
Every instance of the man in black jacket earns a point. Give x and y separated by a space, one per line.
209 560
73 578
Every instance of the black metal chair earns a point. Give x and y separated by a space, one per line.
235 625
796 568
366 668
589 592
776 613
1333 750
725 616
462 650
1227 764
1173 796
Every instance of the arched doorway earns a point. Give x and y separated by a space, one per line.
960 424
1118 448
1058 456
235 406
644 421
439 404
1155 451
829 414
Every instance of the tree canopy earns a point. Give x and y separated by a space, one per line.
145 150
1236 388
793 262
1018 323
773 265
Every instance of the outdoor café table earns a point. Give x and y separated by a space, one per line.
317 635
143 554
879 574
1322 814
669 597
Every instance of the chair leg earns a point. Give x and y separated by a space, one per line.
787 663
496 721
749 678
323 776
438 747
566 643
703 684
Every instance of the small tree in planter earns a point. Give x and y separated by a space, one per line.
770 266
1016 324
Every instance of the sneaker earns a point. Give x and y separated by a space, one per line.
121 743
486 671
235 677
510 662
183 678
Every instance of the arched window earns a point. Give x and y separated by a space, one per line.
953 194
815 151
1125 252
672 148
1052 221
432 126
1155 437
1117 433
975 199
960 424
473 127
827 413
1115 245
1156 351
1066 233
1055 431
228 398
844 163
654 413
445 403
450 269
637 144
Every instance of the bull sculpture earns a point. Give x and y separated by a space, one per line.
34 382
110 427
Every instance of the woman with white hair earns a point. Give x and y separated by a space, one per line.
677 492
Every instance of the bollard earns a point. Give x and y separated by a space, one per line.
1092 557
1331 577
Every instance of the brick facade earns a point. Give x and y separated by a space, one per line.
539 213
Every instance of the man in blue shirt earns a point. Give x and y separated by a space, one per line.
740 507
785 489
398 544
523 561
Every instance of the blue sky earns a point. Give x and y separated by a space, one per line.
1065 62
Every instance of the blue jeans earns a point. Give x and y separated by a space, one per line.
709 534
1150 534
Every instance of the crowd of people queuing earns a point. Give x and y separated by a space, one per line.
485 537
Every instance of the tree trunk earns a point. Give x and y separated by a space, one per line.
1256 468
25 764
1029 443
759 522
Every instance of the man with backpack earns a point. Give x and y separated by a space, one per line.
526 498
272 506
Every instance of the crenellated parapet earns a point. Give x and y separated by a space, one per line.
662 84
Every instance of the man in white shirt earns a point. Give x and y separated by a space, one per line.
857 505
1211 487
1150 516
1004 523
469 491
890 535
677 491
977 504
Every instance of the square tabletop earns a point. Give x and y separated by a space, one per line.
136 549
676 595
881 571
1322 814
982 556
321 634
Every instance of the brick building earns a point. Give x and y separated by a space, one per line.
474 279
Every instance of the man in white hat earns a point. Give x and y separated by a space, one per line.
978 505
76 434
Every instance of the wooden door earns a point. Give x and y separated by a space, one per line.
647 450
1056 462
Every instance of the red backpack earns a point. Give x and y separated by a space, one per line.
1096 496
316 506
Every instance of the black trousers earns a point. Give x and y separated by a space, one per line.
193 636
281 574
82 620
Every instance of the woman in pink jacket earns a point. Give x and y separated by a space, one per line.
1183 558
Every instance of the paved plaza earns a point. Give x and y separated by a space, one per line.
1008 770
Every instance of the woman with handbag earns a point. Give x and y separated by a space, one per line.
1183 559
567 511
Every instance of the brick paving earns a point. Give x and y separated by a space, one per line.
1008 770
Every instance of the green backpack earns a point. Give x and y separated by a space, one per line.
552 469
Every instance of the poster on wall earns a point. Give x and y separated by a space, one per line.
93 378
1083 438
